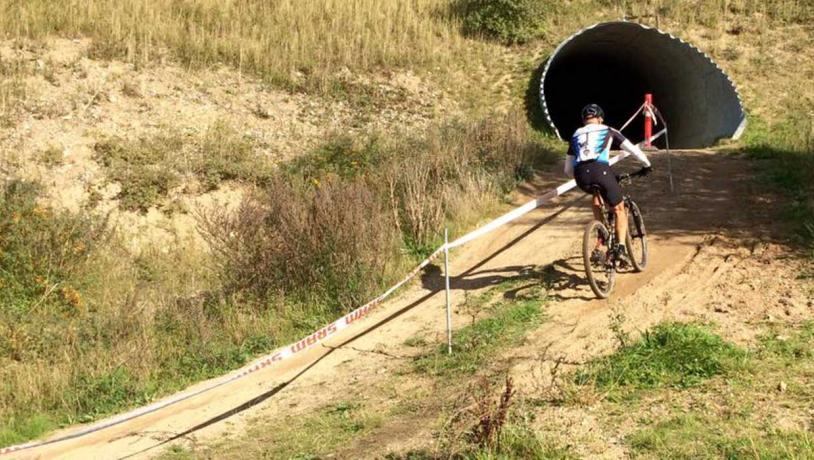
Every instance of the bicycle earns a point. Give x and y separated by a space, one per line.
601 265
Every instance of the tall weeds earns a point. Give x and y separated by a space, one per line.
713 13
426 179
329 245
88 328
12 90
291 43
303 44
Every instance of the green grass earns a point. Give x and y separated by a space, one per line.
19 429
304 436
734 415
518 441
789 347
502 317
695 436
474 345
184 348
670 355
783 153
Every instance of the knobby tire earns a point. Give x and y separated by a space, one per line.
636 240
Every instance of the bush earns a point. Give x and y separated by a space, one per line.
148 169
509 21
341 155
222 153
331 243
40 251
140 168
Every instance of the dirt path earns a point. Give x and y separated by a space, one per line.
709 241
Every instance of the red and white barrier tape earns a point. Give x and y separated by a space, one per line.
318 336
633 117
655 136
652 111
279 355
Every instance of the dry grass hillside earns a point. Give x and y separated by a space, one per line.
159 158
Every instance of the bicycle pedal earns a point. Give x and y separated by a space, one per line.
624 263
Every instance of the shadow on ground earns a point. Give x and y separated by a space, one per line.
712 194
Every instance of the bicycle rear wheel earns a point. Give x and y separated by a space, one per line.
600 271
636 240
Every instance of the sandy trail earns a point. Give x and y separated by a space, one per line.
692 254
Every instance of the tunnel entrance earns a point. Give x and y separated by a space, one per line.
614 64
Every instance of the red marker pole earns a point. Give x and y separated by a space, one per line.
648 120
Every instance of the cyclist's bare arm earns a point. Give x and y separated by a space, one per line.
630 148
570 157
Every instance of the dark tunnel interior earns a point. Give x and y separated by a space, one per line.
614 64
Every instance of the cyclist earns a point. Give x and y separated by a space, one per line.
587 161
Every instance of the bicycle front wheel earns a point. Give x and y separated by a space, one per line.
599 263
636 240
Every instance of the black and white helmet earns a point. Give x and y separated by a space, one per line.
592 111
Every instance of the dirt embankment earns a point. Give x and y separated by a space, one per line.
70 101
715 258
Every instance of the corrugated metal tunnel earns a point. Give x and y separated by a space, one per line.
614 64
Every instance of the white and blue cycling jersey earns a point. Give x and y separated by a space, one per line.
593 142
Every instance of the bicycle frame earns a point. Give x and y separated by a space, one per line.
608 218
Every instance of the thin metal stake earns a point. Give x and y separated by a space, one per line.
670 172
667 146
446 276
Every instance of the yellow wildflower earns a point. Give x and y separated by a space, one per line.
71 296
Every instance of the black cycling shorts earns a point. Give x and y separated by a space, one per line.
591 173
